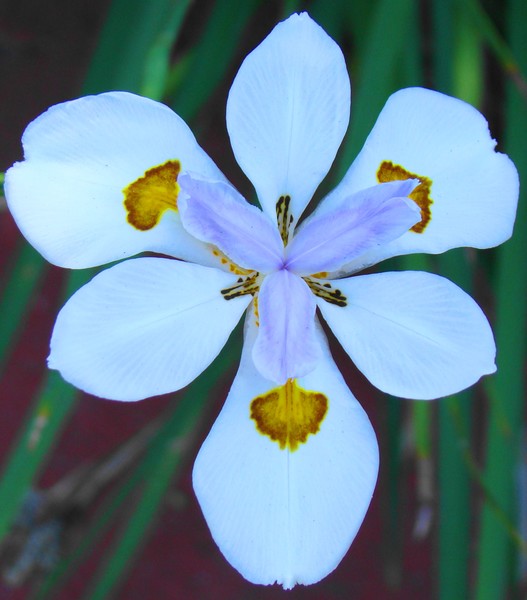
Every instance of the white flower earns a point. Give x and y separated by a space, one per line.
287 472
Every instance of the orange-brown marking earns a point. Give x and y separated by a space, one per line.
244 286
283 217
147 198
326 291
288 414
388 171
255 310
226 261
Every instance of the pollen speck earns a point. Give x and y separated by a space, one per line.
147 198
289 414
388 171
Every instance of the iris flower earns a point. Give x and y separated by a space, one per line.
287 472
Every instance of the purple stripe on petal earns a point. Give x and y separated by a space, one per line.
286 346
367 219
215 212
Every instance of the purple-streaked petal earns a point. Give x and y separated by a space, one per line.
366 220
215 212
286 346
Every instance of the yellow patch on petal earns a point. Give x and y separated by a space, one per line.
288 414
388 171
147 198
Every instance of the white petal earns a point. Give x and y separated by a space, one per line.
67 195
214 212
279 515
144 327
474 189
414 335
286 346
288 110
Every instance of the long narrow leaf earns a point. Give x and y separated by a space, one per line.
21 282
130 31
507 407
509 58
379 63
51 409
168 463
213 54
157 62
453 46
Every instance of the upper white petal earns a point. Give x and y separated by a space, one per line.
282 516
67 195
414 335
474 189
288 110
144 327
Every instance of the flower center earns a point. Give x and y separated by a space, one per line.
250 281
147 198
388 171
289 414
